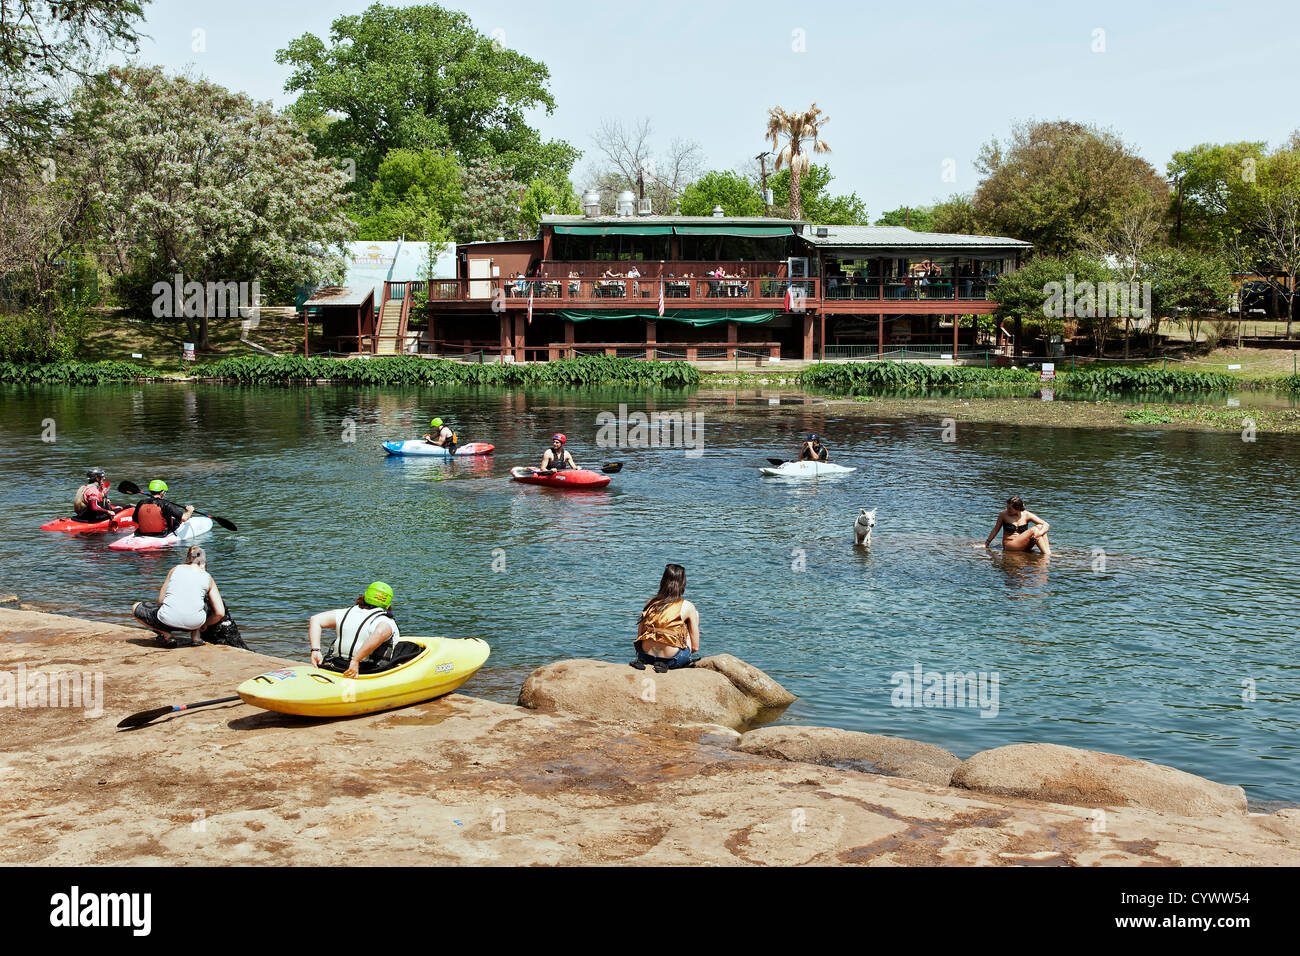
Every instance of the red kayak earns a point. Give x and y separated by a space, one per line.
571 479
121 522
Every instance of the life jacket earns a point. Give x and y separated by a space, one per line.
662 621
349 636
557 461
149 518
90 496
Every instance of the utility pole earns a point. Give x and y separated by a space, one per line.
762 173
640 181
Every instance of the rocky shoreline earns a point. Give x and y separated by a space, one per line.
600 764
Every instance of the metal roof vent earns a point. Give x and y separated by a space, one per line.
822 232
626 204
591 203
717 212
643 207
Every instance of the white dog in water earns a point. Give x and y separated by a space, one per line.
862 526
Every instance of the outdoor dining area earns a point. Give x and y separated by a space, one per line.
717 283
947 278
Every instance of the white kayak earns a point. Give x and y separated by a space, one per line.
805 469
421 448
187 532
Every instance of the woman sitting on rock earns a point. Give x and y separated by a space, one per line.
1021 529
187 601
669 630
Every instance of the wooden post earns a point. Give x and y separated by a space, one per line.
732 339
568 337
955 319
521 339
823 336
880 337
506 344
807 337
651 337
306 334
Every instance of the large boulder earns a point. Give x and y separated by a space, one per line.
1088 778
850 750
618 693
749 680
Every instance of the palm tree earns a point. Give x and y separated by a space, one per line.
799 131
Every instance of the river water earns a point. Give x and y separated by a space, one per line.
1163 627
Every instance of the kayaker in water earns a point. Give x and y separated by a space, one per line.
188 600
91 503
1021 529
814 450
442 435
364 632
669 629
557 458
155 516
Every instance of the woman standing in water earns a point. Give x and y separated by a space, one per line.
1021 529
669 629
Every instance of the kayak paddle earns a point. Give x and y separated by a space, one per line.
613 468
131 488
145 716
776 462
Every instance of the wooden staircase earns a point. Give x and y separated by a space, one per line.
390 328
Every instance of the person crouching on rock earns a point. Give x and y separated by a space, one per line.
669 630
364 632
187 601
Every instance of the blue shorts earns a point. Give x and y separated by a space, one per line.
681 659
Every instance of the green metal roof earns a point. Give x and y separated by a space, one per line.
614 229
744 231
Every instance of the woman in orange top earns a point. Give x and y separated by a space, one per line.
669 630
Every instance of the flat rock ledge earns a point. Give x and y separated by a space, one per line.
1056 774
721 690
850 750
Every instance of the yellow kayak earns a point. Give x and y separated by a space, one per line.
441 665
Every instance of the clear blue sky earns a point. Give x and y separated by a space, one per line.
907 86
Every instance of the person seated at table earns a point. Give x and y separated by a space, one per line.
611 274
634 273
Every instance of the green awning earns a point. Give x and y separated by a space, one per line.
696 317
744 232
614 229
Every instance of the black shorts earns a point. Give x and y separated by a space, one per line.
147 613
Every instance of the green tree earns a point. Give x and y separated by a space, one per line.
913 217
795 137
733 191
544 197
1186 284
1026 297
819 206
410 186
1055 182
956 215
421 77
42 44
195 180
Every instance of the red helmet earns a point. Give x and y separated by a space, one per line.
559 436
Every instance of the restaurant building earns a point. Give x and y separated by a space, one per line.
718 288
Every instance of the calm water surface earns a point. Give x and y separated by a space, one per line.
1169 600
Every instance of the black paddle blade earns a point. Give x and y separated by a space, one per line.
224 522
613 468
776 462
144 717
128 487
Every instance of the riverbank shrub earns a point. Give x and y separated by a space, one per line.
72 373
1127 378
409 370
1291 384
852 377
39 335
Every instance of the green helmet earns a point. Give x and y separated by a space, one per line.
379 594
156 486
436 423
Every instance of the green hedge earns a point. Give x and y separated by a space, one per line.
1291 384
1125 378
73 373
409 370
858 376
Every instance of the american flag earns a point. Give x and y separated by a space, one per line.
661 298
530 303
